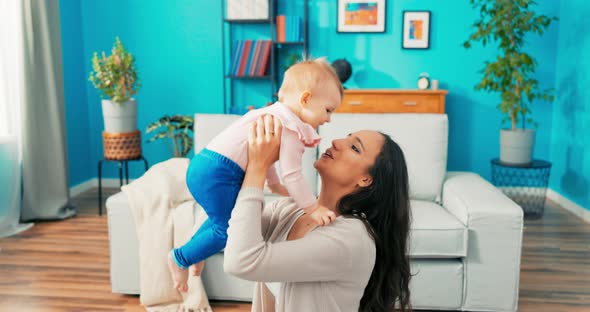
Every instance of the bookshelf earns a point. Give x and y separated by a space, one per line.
240 67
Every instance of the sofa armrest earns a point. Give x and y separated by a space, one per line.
495 224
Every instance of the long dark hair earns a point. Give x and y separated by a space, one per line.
384 207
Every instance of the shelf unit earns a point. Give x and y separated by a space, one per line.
272 75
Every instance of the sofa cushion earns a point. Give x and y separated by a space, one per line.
123 244
437 284
207 126
436 233
422 137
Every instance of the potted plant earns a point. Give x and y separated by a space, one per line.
505 25
176 131
115 77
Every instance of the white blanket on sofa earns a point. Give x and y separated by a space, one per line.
159 202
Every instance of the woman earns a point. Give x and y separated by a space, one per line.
357 263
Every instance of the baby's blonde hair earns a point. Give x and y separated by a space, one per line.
311 75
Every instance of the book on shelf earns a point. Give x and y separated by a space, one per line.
265 58
234 57
280 28
247 9
244 58
288 28
252 64
249 58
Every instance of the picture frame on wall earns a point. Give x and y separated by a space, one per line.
416 30
361 16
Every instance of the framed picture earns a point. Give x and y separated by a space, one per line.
416 30
356 16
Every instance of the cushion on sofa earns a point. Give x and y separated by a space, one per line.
422 137
207 126
436 284
123 244
435 233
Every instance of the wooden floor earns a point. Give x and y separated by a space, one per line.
64 266
555 266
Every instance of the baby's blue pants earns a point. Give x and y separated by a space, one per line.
214 181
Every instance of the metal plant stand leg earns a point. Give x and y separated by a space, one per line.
120 173
126 172
145 162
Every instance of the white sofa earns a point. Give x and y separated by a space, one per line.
466 236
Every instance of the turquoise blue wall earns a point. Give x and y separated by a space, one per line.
379 61
570 144
76 101
177 46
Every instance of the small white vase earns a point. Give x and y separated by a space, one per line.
119 117
516 146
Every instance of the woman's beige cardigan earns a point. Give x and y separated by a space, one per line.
326 270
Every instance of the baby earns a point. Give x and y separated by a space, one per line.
310 92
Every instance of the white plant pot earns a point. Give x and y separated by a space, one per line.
516 146
119 118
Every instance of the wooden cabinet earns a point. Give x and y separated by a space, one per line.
393 101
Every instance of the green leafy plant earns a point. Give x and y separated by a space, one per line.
506 23
176 130
115 75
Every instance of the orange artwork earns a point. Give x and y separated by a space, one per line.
363 14
416 29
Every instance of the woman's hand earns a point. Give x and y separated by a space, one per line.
264 142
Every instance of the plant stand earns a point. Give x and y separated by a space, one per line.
526 185
121 148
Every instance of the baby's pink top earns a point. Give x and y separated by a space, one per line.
233 144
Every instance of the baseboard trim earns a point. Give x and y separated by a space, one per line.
569 205
92 183
82 187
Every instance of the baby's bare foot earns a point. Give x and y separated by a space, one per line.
179 276
197 269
